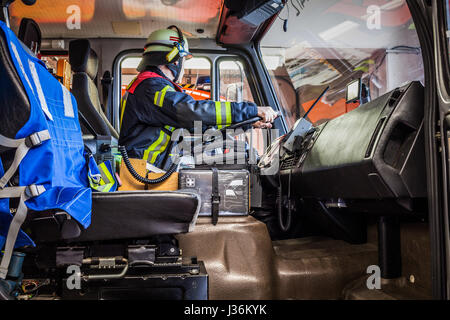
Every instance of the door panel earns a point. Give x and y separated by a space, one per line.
441 35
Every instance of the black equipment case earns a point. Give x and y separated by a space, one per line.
222 192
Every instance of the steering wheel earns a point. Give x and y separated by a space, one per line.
227 138
240 124
233 126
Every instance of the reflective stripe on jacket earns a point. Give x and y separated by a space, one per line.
153 107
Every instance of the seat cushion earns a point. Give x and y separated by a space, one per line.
137 214
124 215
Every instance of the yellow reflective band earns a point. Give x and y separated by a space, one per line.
228 113
163 147
163 93
219 114
169 128
124 101
106 180
106 175
94 184
223 115
158 146
155 101
154 145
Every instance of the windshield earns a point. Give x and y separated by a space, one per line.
334 42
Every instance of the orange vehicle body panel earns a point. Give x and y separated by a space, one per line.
196 94
323 111
54 11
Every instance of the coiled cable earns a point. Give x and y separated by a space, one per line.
137 176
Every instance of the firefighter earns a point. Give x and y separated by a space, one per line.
154 105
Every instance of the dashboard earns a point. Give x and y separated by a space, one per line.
374 152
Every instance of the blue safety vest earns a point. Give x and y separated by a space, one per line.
53 172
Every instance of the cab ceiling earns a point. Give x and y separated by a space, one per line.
119 18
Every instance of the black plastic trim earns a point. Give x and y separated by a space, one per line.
423 23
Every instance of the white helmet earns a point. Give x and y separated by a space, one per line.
165 46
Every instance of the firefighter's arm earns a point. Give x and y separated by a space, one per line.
186 110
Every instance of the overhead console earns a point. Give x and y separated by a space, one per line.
373 152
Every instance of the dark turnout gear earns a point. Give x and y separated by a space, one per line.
154 107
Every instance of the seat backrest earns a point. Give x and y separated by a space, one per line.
84 63
42 134
12 95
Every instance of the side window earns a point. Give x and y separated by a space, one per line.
196 80
234 84
128 72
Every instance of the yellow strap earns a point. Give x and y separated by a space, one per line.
124 101
131 83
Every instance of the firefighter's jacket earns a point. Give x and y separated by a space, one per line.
153 107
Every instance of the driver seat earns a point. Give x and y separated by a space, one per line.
117 215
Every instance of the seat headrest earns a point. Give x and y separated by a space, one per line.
82 58
30 34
